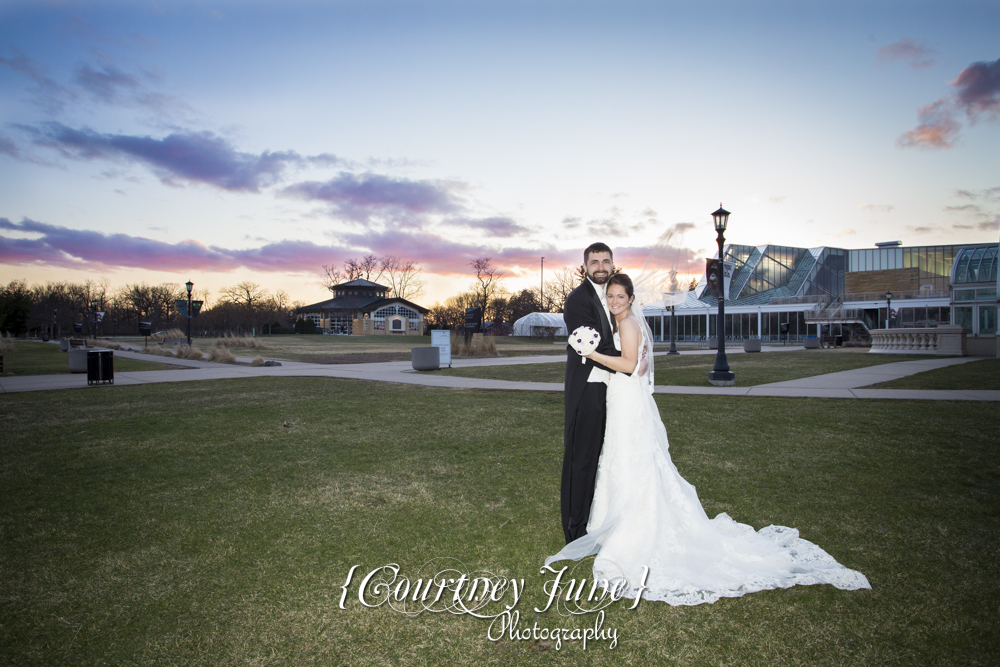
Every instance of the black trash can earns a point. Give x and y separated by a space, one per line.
101 367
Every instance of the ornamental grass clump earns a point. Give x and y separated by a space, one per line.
172 333
257 361
221 355
6 344
229 340
478 346
189 352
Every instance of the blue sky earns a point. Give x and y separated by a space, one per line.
226 141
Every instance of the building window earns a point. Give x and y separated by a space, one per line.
963 316
987 294
987 320
965 295
383 313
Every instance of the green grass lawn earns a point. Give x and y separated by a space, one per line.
692 370
213 523
46 359
366 349
981 374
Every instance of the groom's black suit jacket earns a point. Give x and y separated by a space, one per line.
583 308
585 411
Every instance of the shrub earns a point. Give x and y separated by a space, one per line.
221 355
305 326
478 346
193 353
257 361
228 340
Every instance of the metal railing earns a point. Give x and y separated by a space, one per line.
791 300
902 294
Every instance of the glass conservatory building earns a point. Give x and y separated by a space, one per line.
783 293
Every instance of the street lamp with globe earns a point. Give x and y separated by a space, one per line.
190 286
720 376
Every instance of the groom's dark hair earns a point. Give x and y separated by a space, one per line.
597 247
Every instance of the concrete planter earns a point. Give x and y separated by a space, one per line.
811 343
426 358
713 343
751 344
64 345
78 360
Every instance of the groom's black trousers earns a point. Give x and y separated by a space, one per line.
583 440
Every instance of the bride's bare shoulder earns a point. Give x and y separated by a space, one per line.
629 323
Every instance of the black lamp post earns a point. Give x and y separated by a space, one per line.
541 288
720 375
888 310
190 286
93 319
55 317
673 331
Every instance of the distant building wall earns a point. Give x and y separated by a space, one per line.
893 280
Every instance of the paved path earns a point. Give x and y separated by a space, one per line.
845 384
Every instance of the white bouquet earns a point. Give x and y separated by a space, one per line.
584 340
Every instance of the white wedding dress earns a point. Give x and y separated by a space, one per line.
645 514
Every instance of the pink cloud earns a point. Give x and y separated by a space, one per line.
62 247
977 93
936 129
192 157
906 49
358 197
979 89
86 249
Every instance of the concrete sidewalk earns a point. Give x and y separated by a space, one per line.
845 384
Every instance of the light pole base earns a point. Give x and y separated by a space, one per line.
722 379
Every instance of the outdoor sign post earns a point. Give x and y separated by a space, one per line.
441 339
182 308
473 320
94 317
146 330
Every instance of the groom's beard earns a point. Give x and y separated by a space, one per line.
599 277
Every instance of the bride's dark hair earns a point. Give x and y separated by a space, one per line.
626 283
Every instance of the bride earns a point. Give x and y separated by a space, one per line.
645 514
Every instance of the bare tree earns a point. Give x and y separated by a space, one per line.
558 288
404 277
499 310
368 267
487 282
332 276
251 299
281 308
451 314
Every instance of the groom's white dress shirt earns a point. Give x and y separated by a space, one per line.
599 374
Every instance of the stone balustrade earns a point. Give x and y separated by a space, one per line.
946 340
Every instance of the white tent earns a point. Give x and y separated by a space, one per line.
540 324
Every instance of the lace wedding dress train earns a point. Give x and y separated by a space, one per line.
645 514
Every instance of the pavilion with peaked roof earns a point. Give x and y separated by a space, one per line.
361 307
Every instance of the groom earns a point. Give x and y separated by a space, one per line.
586 390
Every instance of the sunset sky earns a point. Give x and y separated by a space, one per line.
228 141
